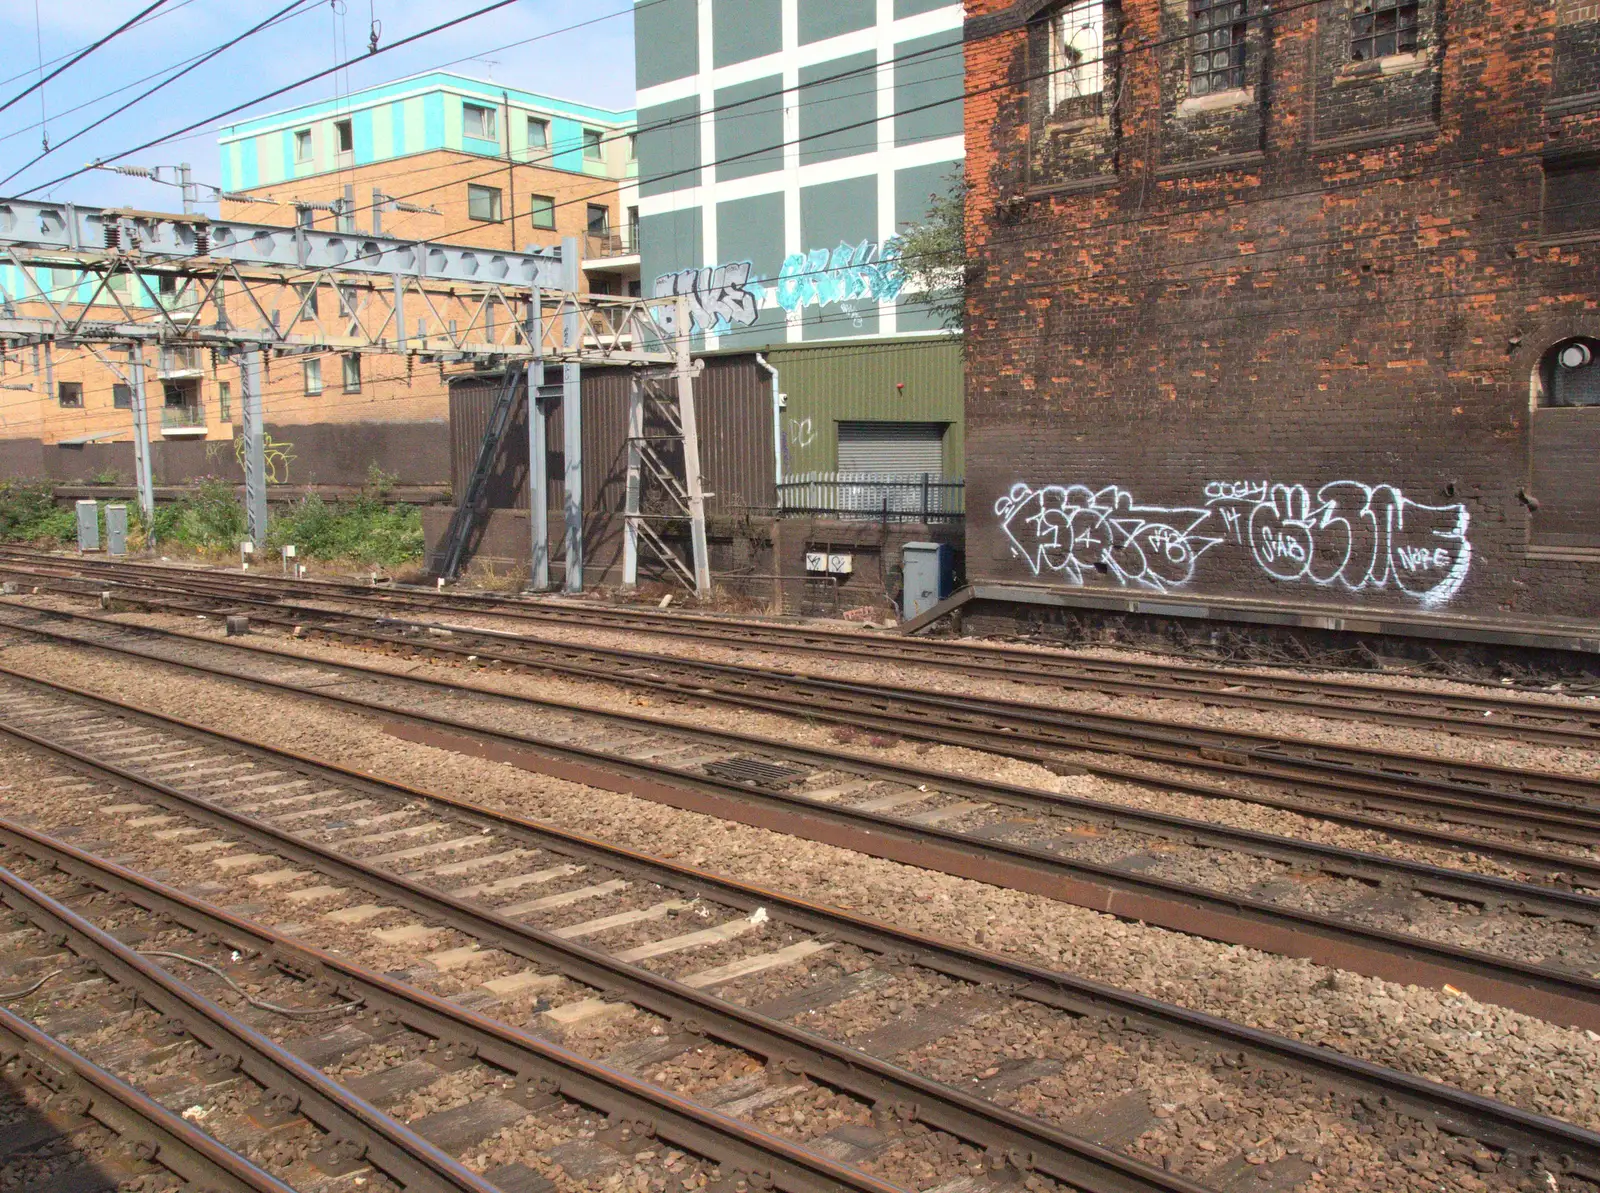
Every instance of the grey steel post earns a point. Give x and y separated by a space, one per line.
399 311
186 182
538 452
630 540
255 452
693 484
572 417
141 443
377 212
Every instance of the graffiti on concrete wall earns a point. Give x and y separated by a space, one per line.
725 297
1346 534
720 297
278 457
849 273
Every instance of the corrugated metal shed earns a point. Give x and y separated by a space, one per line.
733 400
896 381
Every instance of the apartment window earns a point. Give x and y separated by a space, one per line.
344 136
308 298
122 396
478 122
633 148
167 285
302 145
633 229
483 203
591 145
352 374
304 217
1216 48
1379 28
225 401
599 220
1077 53
313 368
70 394
542 211
538 133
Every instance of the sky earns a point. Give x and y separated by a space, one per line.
592 65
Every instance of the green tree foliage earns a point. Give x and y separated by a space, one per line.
29 514
933 251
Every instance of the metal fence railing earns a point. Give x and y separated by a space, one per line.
175 418
890 497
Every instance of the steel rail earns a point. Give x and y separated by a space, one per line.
1048 1149
545 1071
356 1128
1553 863
1544 721
1560 1145
1551 994
87 1091
1336 860
1537 797
1456 712
947 722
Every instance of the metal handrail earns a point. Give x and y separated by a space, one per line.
891 497
173 417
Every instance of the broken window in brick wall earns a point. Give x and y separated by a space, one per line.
1077 53
1379 28
1217 46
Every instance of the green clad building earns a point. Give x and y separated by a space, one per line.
783 146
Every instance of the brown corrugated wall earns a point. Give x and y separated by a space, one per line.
733 401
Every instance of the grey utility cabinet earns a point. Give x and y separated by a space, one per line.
929 573
117 529
88 525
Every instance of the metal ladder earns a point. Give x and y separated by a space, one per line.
455 541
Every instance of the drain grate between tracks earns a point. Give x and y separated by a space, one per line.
758 771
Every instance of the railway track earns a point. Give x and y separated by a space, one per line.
281 838
1554 804
1376 914
153 1016
1557 722
519 1074
69 1125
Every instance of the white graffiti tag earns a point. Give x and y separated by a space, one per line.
1074 529
1354 535
1359 537
720 297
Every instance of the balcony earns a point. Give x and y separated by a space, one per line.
612 252
179 422
179 364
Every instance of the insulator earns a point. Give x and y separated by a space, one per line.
202 242
113 232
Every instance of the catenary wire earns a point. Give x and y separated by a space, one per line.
82 54
194 64
89 103
52 61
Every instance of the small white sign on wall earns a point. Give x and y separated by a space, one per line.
816 561
841 565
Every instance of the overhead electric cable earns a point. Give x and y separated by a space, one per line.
146 94
80 55
277 91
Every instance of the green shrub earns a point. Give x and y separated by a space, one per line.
362 531
29 514
209 521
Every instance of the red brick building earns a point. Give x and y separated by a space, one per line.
1294 302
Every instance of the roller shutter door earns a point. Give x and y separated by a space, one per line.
883 448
